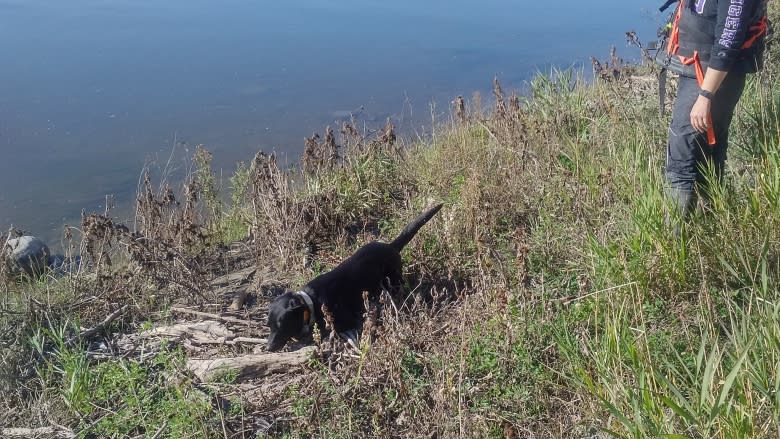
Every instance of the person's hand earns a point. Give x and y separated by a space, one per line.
700 114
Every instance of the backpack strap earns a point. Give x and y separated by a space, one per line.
666 5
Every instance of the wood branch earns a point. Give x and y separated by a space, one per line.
206 332
250 340
203 330
237 340
99 327
37 432
191 347
238 300
238 277
250 366
160 430
213 316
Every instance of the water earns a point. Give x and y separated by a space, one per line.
91 91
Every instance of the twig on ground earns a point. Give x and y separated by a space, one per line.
570 300
160 430
250 340
237 340
99 327
37 432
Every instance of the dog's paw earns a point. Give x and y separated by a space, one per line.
351 337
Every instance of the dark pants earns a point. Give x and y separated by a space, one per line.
688 155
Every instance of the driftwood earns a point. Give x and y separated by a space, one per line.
238 277
200 333
212 316
42 432
233 341
236 283
203 331
99 327
250 366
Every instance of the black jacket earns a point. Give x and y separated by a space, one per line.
717 29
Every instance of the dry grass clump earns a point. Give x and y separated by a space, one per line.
170 246
455 367
320 155
325 155
281 223
344 188
169 255
174 244
611 70
519 170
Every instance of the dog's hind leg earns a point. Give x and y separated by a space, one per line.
394 284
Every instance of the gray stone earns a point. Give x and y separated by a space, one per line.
27 254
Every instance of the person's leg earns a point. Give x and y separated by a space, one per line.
684 152
723 104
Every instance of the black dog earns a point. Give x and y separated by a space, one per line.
292 315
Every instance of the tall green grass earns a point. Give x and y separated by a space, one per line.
688 346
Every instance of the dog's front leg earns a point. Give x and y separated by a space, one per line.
394 286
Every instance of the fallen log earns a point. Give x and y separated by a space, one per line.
250 366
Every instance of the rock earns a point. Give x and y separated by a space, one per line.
27 255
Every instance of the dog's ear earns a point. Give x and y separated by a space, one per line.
295 302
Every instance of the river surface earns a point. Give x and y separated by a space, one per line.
92 91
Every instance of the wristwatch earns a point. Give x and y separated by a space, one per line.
706 93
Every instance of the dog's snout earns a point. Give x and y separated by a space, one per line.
274 344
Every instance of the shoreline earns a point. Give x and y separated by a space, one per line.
124 200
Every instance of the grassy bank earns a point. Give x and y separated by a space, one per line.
547 299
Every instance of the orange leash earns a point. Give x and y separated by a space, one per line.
700 79
757 31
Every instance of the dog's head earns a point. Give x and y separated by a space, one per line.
287 318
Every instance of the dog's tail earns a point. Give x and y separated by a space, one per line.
408 233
